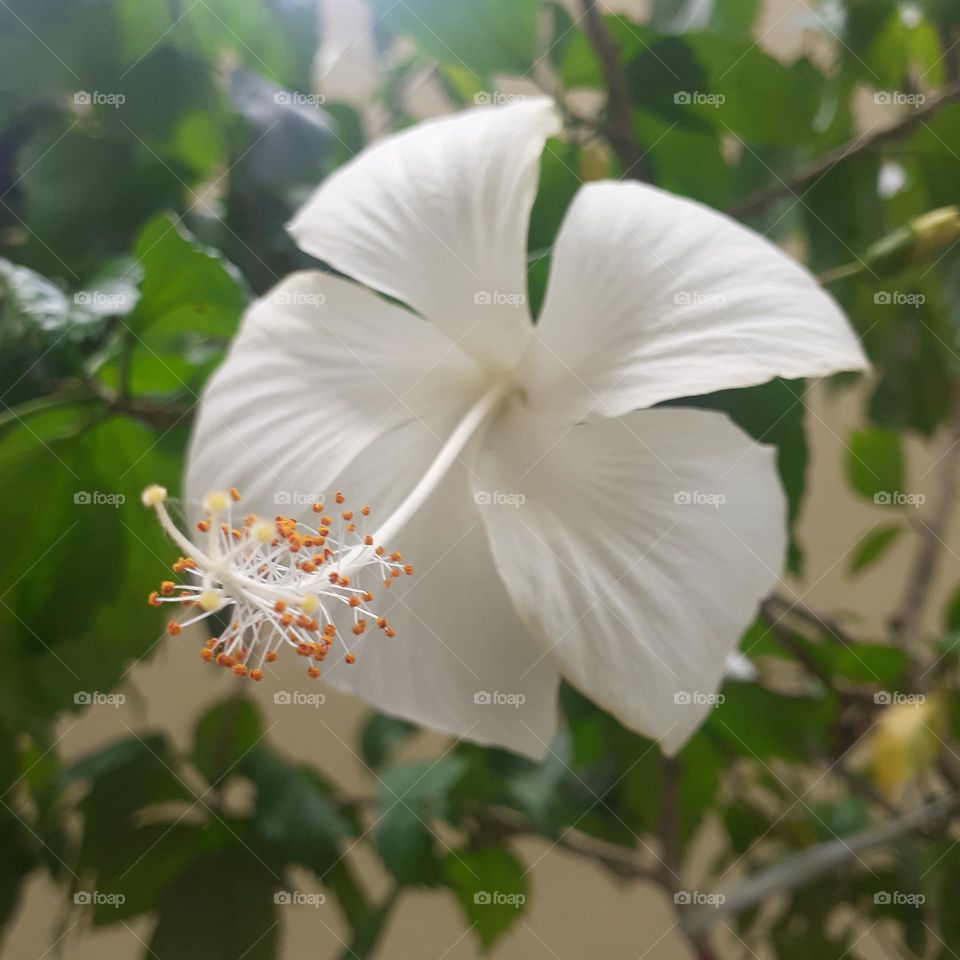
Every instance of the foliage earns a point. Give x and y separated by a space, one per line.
150 153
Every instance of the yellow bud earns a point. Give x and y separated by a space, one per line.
904 742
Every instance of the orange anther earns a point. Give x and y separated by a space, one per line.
390 632
368 540
256 675
347 514
166 588
174 629
239 670
287 619
313 672
365 511
203 526
153 599
408 569
379 551
317 508
308 566
395 556
206 655
367 597
280 606
339 498
381 622
234 494
350 658
354 601
271 656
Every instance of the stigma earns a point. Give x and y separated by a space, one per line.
275 585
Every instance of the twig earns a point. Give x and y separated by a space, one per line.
905 623
803 867
806 614
619 128
760 200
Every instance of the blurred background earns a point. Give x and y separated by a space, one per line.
150 153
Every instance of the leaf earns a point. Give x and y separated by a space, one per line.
381 736
449 32
873 546
490 885
875 464
411 795
951 616
221 907
224 736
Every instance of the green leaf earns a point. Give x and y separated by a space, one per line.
381 737
873 546
224 736
449 32
490 885
221 907
951 616
411 795
875 464
295 811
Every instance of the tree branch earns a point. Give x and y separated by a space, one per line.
801 868
761 199
618 128
906 622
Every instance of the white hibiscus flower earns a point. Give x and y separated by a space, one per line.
561 525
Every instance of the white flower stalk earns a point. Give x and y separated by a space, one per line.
281 583
566 524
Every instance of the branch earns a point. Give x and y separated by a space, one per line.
906 622
761 199
806 614
803 867
619 125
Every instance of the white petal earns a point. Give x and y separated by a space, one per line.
437 217
638 594
653 297
458 636
320 369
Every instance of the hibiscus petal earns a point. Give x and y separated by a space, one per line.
639 553
461 662
437 217
653 297
320 369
